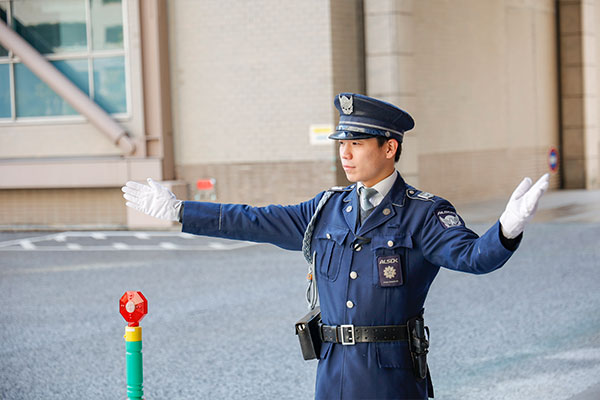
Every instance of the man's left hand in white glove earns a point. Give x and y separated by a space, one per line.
522 206
152 199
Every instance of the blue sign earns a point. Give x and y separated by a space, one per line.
553 159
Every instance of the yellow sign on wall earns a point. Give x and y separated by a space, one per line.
319 134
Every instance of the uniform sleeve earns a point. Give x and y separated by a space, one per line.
448 243
282 226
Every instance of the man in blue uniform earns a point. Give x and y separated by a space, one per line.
378 244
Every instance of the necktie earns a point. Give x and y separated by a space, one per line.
366 207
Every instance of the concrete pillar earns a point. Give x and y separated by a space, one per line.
579 93
390 63
347 58
157 96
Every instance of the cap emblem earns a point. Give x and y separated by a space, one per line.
347 104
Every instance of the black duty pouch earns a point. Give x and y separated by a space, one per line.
418 344
308 331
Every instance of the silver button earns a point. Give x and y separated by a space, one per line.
349 208
358 248
353 275
349 304
328 236
386 211
390 243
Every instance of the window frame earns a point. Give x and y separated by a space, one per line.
11 59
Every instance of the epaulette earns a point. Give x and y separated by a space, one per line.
341 189
419 195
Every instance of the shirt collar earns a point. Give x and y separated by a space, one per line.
383 187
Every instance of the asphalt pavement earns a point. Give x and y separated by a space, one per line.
221 314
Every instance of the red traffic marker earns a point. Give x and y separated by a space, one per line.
133 306
205 184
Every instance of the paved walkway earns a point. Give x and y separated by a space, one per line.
561 206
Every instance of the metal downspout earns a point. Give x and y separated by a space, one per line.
65 88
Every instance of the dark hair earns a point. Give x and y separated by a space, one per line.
382 140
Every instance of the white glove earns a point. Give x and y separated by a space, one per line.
152 199
522 205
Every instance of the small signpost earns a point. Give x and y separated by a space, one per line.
205 190
553 159
133 306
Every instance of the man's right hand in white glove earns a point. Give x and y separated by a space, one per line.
522 206
152 199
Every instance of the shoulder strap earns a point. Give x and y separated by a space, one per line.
312 294
306 251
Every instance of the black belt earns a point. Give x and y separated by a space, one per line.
350 334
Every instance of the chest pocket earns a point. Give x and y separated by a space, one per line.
330 248
390 248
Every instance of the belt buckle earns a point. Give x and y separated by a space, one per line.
351 339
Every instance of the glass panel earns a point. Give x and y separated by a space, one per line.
107 24
3 10
109 84
51 26
4 91
35 99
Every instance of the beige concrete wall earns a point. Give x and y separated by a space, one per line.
248 83
62 208
480 78
593 80
262 183
248 79
580 57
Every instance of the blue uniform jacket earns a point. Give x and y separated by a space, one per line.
422 230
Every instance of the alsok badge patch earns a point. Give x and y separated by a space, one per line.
448 218
390 271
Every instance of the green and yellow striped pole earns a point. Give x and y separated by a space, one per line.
135 374
134 306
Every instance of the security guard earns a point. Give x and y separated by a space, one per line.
379 244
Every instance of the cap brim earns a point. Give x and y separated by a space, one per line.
345 135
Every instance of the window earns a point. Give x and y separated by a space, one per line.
82 38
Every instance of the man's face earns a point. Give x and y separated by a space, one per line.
364 161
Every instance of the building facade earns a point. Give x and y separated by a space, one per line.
239 94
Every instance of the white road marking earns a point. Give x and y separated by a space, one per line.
27 245
31 239
108 237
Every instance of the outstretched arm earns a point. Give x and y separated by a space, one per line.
456 247
282 226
